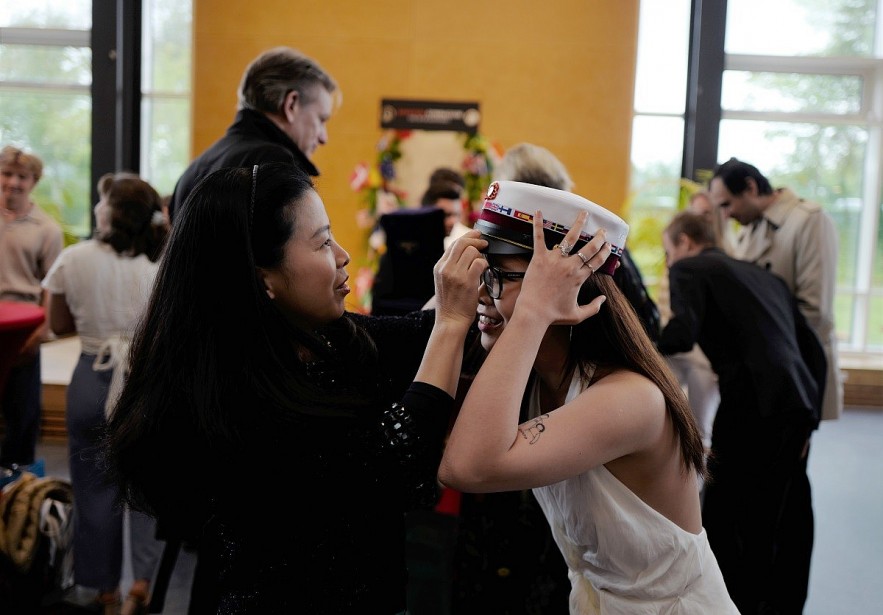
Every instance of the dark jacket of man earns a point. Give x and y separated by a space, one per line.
771 373
748 325
251 139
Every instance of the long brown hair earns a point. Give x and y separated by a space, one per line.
616 338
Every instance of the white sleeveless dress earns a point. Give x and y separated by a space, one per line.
624 557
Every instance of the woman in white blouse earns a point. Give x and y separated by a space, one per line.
98 289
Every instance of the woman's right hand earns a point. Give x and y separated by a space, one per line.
457 278
554 277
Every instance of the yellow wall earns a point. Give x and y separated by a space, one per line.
558 73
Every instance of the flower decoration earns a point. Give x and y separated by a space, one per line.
375 183
478 165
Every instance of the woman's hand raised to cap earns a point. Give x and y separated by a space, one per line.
554 277
457 278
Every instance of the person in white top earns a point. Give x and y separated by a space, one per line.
99 289
611 450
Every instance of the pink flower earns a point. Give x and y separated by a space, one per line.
359 177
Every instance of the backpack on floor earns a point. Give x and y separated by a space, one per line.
36 556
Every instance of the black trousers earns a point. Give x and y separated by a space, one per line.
797 533
757 508
21 405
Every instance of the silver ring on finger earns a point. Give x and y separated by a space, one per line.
585 260
565 247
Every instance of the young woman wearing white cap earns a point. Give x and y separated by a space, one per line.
611 451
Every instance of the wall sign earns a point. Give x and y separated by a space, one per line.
429 115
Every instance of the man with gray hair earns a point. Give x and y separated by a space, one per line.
285 102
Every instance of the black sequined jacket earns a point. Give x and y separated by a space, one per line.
315 522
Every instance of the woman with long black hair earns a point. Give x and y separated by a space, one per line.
283 435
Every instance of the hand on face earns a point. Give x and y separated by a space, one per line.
554 277
457 278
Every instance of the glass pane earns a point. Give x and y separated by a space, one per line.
875 324
46 65
645 245
65 14
791 92
875 310
167 46
56 127
166 85
819 162
801 27
657 150
663 39
877 273
843 314
165 138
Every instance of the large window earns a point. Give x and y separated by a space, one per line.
165 91
45 80
657 131
801 99
45 74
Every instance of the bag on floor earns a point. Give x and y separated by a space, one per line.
36 556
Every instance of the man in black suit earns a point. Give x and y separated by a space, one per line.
770 368
285 102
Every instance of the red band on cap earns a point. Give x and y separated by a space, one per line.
609 265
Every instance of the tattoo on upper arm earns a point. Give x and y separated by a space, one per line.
531 430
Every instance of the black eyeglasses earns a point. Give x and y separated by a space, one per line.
493 277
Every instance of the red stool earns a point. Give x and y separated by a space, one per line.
17 322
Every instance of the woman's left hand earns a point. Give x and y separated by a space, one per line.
554 277
457 278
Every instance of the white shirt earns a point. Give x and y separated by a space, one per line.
105 291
